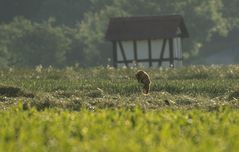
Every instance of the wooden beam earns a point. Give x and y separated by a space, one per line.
135 52
123 53
171 56
150 53
162 52
114 54
181 48
147 60
181 51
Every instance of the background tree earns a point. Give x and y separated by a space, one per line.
9 9
77 34
30 44
67 12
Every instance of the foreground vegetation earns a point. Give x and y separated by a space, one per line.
103 109
120 130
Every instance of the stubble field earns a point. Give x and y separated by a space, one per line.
103 109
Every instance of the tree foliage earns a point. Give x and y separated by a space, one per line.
30 44
77 33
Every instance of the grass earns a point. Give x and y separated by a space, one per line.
103 109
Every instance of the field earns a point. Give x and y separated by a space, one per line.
103 109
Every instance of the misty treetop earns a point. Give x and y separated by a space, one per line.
65 32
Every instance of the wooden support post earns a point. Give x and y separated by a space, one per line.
135 53
150 53
123 53
162 52
171 56
114 54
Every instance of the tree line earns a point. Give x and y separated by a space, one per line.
68 32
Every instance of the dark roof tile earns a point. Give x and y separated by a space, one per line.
146 27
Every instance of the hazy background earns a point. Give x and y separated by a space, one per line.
68 32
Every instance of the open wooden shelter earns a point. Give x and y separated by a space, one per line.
151 41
